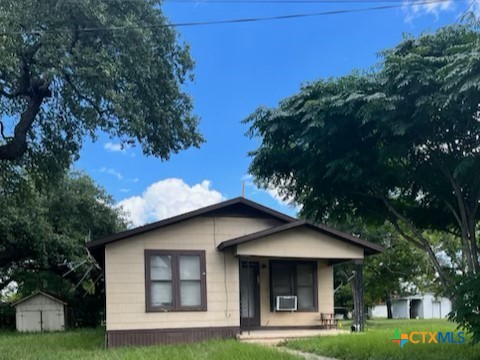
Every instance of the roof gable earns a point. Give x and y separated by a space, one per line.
235 207
39 293
369 247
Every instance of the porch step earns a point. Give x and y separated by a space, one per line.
275 337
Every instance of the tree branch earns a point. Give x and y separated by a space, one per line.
17 146
464 224
92 103
420 239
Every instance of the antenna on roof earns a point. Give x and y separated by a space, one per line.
243 188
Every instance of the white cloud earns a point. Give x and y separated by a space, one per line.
167 198
415 9
112 172
109 146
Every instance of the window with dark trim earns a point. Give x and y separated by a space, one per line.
175 280
297 278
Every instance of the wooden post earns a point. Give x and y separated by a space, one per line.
359 316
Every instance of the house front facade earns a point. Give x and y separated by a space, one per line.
220 270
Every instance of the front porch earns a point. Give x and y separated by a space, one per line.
286 276
265 279
277 336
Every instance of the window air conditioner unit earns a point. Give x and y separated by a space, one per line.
286 303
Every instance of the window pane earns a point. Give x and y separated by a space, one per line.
190 294
281 276
161 293
190 267
304 275
305 297
161 267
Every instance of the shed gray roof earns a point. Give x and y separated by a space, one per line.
51 297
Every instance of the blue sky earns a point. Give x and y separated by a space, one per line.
238 68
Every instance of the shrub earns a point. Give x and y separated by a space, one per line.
466 305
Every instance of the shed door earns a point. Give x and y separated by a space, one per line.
53 320
30 321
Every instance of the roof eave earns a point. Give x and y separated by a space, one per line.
175 219
369 248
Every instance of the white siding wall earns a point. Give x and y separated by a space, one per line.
378 311
400 309
40 313
436 308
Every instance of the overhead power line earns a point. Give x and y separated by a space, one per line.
405 2
472 2
228 21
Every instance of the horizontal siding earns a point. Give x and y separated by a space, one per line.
125 274
301 243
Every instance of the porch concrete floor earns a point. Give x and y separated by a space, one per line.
275 337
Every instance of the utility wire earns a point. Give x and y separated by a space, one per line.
228 21
404 2
460 18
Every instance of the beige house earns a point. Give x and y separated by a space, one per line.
216 271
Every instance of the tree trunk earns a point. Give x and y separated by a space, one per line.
389 306
358 311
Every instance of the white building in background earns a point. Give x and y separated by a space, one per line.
40 312
424 306
378 311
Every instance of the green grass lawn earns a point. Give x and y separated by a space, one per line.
88 344
375 343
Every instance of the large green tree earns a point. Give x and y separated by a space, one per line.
71 68
400 143
42 237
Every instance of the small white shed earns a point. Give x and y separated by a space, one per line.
40 312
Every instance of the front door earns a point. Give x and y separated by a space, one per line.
249 294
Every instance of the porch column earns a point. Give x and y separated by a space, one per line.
359 316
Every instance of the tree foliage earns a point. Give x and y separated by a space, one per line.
70 68
466 308
399 270
399 143
43 233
